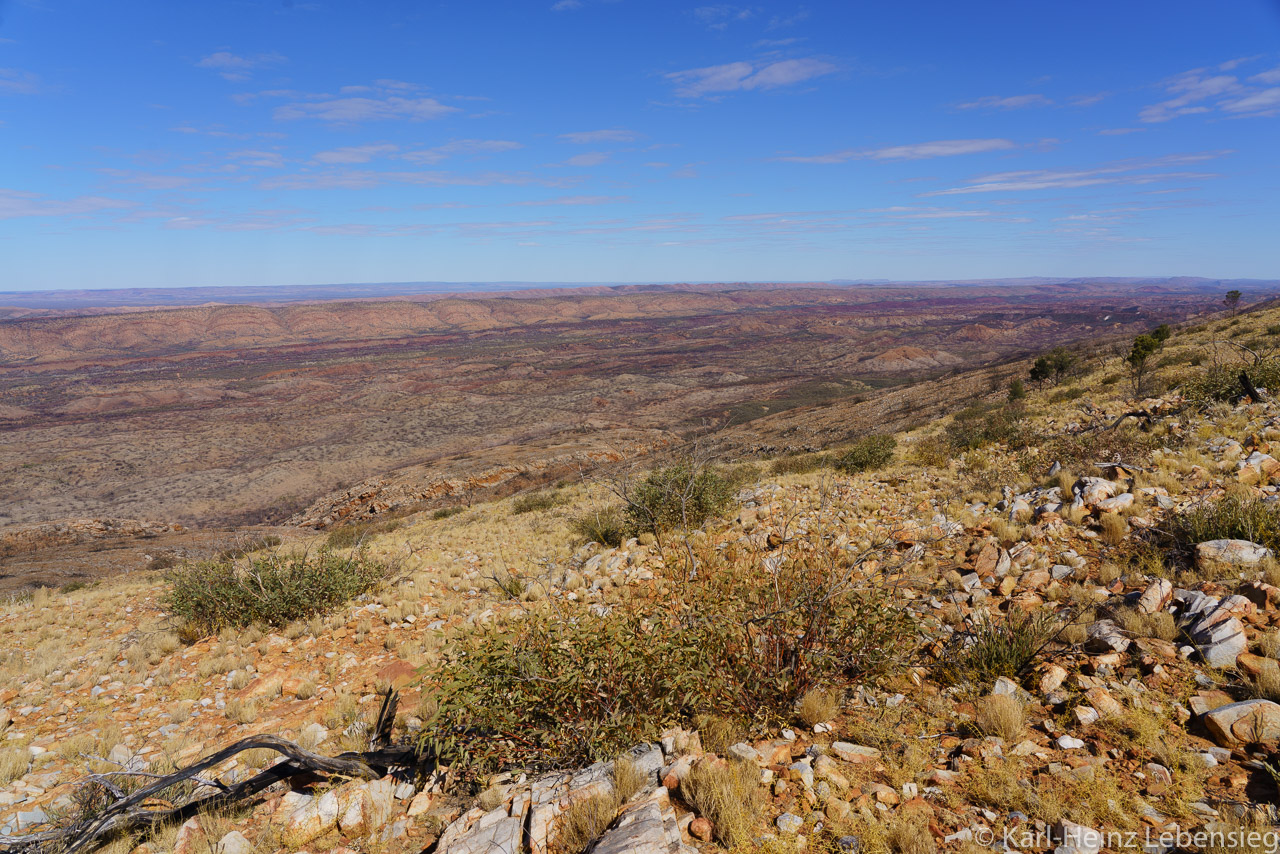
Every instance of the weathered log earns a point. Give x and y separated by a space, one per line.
128 814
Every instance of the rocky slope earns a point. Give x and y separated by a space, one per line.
1150 716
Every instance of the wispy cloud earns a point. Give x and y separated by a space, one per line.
1119 131
356 153
566 5
1201 91
460 147
575 200
15 204
587 159
350 110
1013 102
238 68
1126 172
594 137
261 159
917 151
15 81
383 101
720 15
363 179
368 152
739 76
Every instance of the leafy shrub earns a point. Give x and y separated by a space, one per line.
798 464
603 525
345 537
553 692
871 452
683 495
1080 451
1222 382
446 512
991 649
242 546
273 590
1234 517
536 501
978 426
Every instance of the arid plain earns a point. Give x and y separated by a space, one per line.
218 416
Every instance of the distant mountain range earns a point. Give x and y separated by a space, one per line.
85 300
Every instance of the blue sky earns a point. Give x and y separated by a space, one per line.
152 144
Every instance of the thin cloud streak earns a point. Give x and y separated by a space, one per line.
916 151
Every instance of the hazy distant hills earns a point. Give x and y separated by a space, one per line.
28 303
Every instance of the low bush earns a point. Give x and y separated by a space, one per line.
1234 517
684 495
798 464
1222 382
536 501
604 525
445 512
980 425
993 648
553 692
871 452
273 590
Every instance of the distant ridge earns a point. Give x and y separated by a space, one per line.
118 299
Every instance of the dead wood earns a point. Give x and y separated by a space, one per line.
129 813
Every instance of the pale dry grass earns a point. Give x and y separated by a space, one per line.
726 794
1002 715
819 705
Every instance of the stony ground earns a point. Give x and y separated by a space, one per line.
1150 714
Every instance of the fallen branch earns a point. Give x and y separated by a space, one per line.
128 813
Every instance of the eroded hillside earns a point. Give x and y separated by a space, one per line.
1053 621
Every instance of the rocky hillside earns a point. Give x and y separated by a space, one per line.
1081 653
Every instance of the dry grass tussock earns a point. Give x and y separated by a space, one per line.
727 795
1002 715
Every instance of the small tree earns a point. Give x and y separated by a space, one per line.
1161 333
1016 390
1144 347
1040 371
1061 361
1232 301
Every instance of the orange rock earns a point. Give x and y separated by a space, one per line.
398 673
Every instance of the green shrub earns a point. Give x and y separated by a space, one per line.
980 425
548 691
345 537
871 452
1233 517
274 590
536 501
1223 382
604 525
446 512
993 648
684 495
799 464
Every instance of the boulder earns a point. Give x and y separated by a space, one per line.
1157 596
1090 490
1219 556
1247 722
1257 468
1123 501
310 821
191 838
234 843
